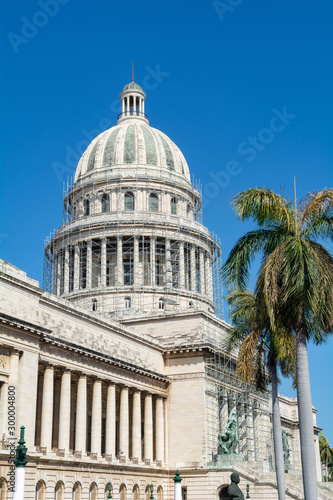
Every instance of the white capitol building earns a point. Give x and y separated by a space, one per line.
119 367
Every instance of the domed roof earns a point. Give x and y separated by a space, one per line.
132 144
132 86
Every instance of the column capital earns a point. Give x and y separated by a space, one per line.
123 386
97 379
65 370
46 365
14 351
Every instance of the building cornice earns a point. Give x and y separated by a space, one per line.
103 357
24 325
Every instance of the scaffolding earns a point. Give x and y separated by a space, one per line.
89 255
138 229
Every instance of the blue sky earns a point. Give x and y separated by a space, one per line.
243 87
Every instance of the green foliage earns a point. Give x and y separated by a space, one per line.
259 344
296 274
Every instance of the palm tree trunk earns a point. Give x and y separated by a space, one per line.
277 434
305 416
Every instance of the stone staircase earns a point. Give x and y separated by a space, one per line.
264 483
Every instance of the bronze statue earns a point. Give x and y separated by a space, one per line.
234 491
229 440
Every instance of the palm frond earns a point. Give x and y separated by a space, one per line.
265 207
235 271
246 356
315 204
318 227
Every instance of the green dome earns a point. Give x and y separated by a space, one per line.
132 86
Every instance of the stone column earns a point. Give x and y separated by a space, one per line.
66 271
81 415
76 268
47 409
250 432
96 418
148 428
166 435
137 276
58 264
159 431
193 270
65 411
181 265
209 278
120 268
223 414
110 423
3 408
89 264
168 270
103 263
241 427
202 271
124 423
14 360
153 260
136 426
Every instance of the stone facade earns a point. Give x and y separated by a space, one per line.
119 370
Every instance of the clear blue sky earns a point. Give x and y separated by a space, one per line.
215 81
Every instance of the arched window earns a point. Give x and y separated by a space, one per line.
174 206
129 201
224 493
77 489
3 489
59 491
188 210
94 304
136 492
161 304
160 493
105 203
153 202
93 491
40 490
147 491
123 492
128 303
86 207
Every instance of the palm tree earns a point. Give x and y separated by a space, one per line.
252 331
296 277
326 453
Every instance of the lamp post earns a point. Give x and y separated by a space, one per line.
178 487
151 492
109 489
20 463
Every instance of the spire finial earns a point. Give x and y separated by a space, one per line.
132 72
